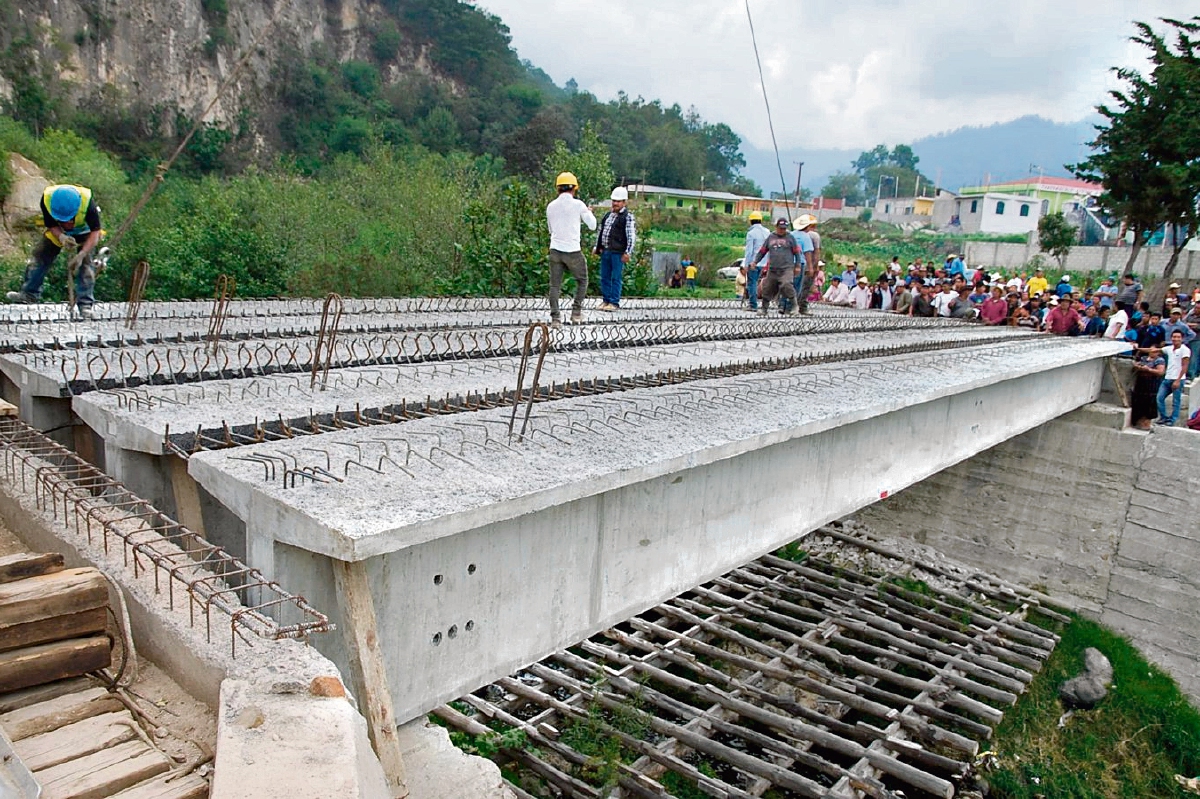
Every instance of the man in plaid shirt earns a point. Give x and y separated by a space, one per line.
614 245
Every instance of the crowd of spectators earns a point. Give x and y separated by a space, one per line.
1164 341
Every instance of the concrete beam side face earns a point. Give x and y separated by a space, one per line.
461 610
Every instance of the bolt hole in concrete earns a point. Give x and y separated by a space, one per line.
470 625
437 579
437 638
471 569
453 631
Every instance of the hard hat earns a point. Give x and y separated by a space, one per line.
566 179
1065 279
619 193
804 221
756 216
64 203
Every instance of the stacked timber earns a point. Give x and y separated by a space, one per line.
77 737
52 621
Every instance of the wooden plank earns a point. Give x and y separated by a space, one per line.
58 594
367 670
56 628
42 693
190 787
187 496
73 741
26 564
58 712
101 774
35 665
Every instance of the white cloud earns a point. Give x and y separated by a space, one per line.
839 73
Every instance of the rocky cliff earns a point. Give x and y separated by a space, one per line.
175 54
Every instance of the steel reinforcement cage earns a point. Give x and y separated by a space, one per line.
156 546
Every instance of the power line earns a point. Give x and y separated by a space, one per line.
770 122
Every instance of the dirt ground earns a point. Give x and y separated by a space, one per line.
182 727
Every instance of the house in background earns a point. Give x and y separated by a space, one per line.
904 210
1057 194
986 212
711 202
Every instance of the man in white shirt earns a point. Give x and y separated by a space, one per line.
860 295
1177 355
1118 323
564 215
837 294
943 303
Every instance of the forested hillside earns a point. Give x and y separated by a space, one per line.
324 78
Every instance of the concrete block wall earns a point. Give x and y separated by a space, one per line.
1150 263
1102 517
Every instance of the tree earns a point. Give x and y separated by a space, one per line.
1056 236
846 186
589 162
890 173
1148 155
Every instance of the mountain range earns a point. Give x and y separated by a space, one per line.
967 156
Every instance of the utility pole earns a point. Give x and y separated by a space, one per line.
799 172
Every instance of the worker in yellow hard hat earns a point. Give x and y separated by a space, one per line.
564 215
755 236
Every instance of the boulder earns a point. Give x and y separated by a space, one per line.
1089 688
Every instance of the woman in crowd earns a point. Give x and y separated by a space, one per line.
1148 375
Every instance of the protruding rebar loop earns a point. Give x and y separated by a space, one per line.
331 321
526 352
226 286
137 289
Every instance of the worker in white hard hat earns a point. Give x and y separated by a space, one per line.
614 245
564 215
805 233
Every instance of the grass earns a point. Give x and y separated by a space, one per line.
1130 747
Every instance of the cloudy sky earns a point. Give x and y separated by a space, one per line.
841 73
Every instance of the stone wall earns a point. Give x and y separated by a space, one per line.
1104 518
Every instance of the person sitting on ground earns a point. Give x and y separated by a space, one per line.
837 294
72 219
1025 319
676 281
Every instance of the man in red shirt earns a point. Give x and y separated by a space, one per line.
1063 319
994 310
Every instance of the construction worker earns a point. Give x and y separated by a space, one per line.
805 233
564 215
783 257
72 219
755 237
614 245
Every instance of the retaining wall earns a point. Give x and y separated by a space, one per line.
1097 515
1150 263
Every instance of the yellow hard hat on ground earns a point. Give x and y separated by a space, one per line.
566 179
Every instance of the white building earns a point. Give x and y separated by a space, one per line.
987 212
